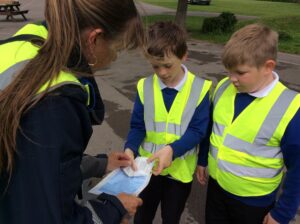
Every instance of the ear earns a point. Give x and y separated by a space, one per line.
269 65
92 35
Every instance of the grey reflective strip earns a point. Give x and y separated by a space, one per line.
174 129
253 149
191 105
244 171
159 127
218 129
149 103
152 148
213 151
7 76
274 117
220 91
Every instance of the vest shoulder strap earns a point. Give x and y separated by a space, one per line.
24 37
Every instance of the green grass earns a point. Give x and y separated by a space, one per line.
282 17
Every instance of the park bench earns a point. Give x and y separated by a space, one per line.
11 8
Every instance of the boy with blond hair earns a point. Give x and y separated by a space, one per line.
170 117
256 121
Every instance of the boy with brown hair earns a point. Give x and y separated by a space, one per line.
170 117
256 121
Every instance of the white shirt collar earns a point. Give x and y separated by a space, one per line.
265 91
179 86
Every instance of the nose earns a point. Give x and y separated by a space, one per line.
233 77
162 71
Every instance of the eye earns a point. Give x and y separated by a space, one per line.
241 72
167 66
155 66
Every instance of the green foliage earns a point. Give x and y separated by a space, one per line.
224 23
284 35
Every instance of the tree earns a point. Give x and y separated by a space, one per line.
181 13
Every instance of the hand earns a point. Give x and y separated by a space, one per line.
201 175
117 160
269 219
130 154
130 202
163 157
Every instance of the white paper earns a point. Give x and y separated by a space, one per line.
119 182
143 168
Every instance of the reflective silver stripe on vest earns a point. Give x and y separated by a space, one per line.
220 91
218 129
253 149
174 129
152 148
239 170
191 105
213 151
149 104
188 112
7 76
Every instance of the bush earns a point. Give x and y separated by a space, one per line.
284 35
224 23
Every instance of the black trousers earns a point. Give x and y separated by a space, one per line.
222 209
171 193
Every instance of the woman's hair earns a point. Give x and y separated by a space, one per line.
166 38
65 20
252 45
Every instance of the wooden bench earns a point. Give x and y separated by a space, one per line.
10 9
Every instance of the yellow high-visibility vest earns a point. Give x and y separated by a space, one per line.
16 54
163 127
245 156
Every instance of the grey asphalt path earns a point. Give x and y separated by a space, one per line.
148 9
118 88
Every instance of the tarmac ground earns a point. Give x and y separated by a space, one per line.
118 88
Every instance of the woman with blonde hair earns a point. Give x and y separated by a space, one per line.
48 103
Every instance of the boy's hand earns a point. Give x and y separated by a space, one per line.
163 157
269 219
117 160
201 175
130 154
130 202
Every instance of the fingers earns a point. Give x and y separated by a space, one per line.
130 154
130 202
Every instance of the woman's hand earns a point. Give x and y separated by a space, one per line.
130 202
117 160
163 157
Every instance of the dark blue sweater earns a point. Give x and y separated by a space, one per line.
287 204
194 134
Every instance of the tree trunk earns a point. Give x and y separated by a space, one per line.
181 13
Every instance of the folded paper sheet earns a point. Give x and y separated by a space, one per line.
125 180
